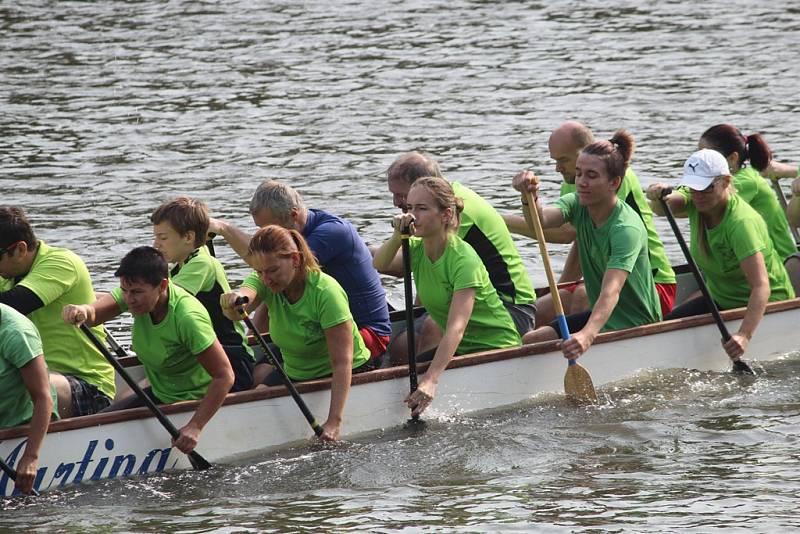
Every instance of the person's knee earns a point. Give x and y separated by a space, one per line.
543 333
63 394
260 372
579 301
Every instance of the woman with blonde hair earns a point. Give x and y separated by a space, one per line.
451 281
309 318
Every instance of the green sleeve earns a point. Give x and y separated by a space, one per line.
53 277
195 330
746 186
195 276
746 239
467 272
333 306
21 345
254 282
117 294
568 205
626 244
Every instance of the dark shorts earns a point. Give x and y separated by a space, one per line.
86 398
575 322
523 315
242 364
275 378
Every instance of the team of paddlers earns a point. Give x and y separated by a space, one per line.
316 289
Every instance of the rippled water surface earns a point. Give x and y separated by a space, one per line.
109 108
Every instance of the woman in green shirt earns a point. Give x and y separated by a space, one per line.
309 318
729 243
452 283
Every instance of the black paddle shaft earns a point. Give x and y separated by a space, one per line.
197 461
409 296
240 302
738 365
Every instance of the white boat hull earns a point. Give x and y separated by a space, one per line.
127 443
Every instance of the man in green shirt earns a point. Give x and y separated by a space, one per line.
172 336
25 392
38 281
613 247
565 144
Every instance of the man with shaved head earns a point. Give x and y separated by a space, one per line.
483 228
565 144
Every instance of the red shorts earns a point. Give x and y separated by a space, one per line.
571 287
666 295
375 343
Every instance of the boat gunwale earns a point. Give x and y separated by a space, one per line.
379 375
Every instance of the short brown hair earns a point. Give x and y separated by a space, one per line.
185 215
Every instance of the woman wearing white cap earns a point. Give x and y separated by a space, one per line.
729 243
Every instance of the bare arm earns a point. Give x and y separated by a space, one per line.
613 280
236 238
98 312
793 208
675 201
216 363
756 273
519 225
457 318
227 301
388 259
340 347
572 265
34 375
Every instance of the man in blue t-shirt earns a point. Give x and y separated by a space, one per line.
339 249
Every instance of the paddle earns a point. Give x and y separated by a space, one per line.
739 366
210 244
405 234
13 475
240 302
577 382
197 461
782 200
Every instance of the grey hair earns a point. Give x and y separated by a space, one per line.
279 198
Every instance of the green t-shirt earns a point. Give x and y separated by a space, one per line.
202 275
168 350
630 192
484 229
490 325
755 190
299 328
19 345
741 234
619 243
59 277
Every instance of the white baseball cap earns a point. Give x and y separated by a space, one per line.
702 167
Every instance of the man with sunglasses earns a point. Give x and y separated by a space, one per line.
38 281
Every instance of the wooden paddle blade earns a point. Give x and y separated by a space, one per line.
578 384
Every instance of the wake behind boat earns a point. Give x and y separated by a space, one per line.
132 442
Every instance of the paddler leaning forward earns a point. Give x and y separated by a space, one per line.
452 283
730 244
172 336
312 328
612 243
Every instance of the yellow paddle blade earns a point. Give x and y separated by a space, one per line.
578 384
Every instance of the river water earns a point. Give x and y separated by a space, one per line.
110 108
